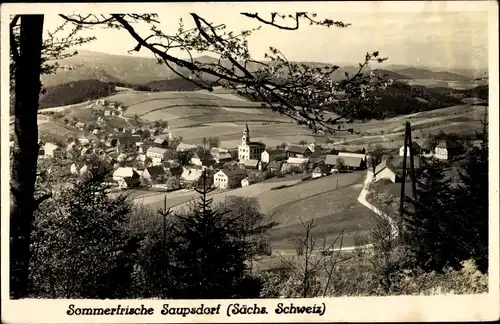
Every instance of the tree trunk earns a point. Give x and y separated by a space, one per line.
23 177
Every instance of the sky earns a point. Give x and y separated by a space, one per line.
426 37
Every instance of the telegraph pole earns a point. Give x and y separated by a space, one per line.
408 148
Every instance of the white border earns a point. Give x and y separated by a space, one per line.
352 309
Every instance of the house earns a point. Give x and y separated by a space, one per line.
415 148
53 151
126 173
191 174
248 150
182 147
122 157
397 162
75 168
297 160
161 141
272 155
127 142
385 170
218 151
251 164
225 179
202 159
222 158
320 170
428 147
297 151
157 154
153 174
143 148
350 162
318 156
447 149
246 182
274 166
84 141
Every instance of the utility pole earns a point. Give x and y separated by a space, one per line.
408 148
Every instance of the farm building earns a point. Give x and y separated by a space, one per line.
202 159
272 155
296 151
428 147
53 151
385 170
161 141
320 170
127 142
250 150
222 158
157 154
251 164
183 147
350 162
447 149
416 149
153 174
224 179
126 173
274 166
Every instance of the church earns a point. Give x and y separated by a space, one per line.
249 150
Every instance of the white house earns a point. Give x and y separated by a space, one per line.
320 170
125 172
157 154
446 149
245 182
224 179
248 150
416 149
53 151
385 170
272 155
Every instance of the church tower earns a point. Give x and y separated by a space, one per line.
246 136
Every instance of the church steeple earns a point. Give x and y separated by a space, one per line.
246 135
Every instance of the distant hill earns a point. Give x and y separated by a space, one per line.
75 92
391 74
417 73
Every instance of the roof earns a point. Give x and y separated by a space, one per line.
259 143
223 156
127 139
232 173
273 153
331 159
397 161
50 146
383 165
298 149
155 171
448 144
428 144
249 162
160 139
218 150
184 146
358 155
157 150
124 172
350 161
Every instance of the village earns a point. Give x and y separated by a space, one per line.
148 159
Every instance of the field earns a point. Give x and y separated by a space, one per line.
331 201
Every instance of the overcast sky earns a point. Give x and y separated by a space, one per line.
439 38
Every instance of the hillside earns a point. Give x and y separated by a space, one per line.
418 73
391 74
75 92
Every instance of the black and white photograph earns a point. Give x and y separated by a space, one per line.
251 153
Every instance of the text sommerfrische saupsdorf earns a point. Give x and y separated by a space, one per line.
233 309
